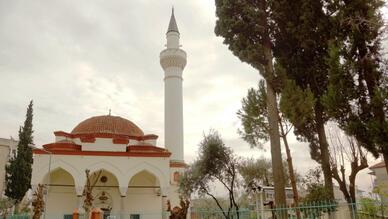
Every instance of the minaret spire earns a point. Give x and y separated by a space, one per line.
172 26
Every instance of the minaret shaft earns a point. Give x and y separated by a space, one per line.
173 61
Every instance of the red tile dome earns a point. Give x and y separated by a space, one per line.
107 125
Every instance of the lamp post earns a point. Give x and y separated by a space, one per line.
48 179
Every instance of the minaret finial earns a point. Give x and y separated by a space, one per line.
172 26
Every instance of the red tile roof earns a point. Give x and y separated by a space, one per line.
108 125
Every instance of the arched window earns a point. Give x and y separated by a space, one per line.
177 176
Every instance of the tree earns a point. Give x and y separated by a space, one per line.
253 116
317 194
346 150
215 163
247 28
357 96
19 168
259 172
38 202
91 181
301 46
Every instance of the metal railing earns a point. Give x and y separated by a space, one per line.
364 209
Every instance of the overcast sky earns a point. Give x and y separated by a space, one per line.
78 59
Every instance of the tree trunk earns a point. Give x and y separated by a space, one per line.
291 170
324 148
273 120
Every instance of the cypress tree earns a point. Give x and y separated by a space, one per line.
19 168
247 28
357 91
301 46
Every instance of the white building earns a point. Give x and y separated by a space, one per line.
380 183
7 150
133 175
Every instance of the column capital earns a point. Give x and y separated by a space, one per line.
79 190
123 190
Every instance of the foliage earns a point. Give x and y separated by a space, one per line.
254 116
357 91
215 163
297 105
304 28
259 171
247 28
368 206
5 205
316 193
19 168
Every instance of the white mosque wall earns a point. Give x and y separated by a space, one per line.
122 167
122 172
103 144
62 198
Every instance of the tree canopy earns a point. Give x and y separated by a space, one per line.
215 163
357 91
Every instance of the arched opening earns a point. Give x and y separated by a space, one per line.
61 197
144 187
105 191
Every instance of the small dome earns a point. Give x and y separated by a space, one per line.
107 125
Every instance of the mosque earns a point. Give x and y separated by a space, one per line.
132 174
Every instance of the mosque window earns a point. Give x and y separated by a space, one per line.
177 176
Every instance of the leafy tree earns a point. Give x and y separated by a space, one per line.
253 116
18 170
301 46
215 163
357 95
317 194
314 185
257 171
247 28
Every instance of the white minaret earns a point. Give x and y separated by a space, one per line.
173 61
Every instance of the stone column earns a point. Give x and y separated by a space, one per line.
164 192
123 195
164 207
79 192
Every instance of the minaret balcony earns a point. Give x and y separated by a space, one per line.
173 58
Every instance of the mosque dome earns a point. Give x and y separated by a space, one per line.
107 124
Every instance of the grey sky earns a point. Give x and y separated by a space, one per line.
78 59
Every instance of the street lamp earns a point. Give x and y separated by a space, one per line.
48 179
